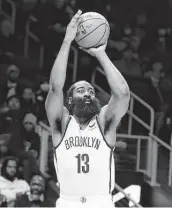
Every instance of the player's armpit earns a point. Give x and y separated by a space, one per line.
107 125
114 111
56 112
54 106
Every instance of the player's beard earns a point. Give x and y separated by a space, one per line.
80 108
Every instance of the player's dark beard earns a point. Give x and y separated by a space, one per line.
82 109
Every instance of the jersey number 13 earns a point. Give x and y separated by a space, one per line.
82 163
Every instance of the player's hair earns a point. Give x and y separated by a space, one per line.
68 95
71 89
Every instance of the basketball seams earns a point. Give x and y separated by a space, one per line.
90 19
91 32
101 38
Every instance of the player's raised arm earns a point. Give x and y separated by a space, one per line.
118 104
54 102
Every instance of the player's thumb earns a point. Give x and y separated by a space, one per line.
83 49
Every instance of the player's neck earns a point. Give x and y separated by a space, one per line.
82 120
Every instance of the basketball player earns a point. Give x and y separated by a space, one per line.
84 135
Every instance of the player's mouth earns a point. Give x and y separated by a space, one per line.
87 101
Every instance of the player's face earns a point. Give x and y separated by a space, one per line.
84 103
84 90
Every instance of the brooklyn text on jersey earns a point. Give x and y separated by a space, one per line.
82 141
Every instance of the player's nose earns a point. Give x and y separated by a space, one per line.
86 94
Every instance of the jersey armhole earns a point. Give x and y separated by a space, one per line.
64 133
101 130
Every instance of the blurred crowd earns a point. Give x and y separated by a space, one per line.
140 46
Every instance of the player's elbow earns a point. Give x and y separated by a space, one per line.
124 92
56 88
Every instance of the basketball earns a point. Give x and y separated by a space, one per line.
93 30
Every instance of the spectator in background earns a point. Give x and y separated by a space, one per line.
40 97
23 141
3 151
135 42
36 197
51 27
28 100
11 114
25 138
129 64
154 96
7 40
162 48
29 134
10 185
140 25
10 86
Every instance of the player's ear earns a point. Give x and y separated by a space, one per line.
70 100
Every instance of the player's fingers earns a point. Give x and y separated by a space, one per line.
79 20
85 50
77 16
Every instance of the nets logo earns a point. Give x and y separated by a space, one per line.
83 199
92 125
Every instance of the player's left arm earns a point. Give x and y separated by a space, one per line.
119 101
111 114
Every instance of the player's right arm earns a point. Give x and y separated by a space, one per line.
56 112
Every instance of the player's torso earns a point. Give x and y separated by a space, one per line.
83 161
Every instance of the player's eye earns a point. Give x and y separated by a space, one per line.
80 91
91 92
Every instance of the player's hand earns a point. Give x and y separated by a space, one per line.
95 51
72 27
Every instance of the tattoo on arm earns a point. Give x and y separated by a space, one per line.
107 125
